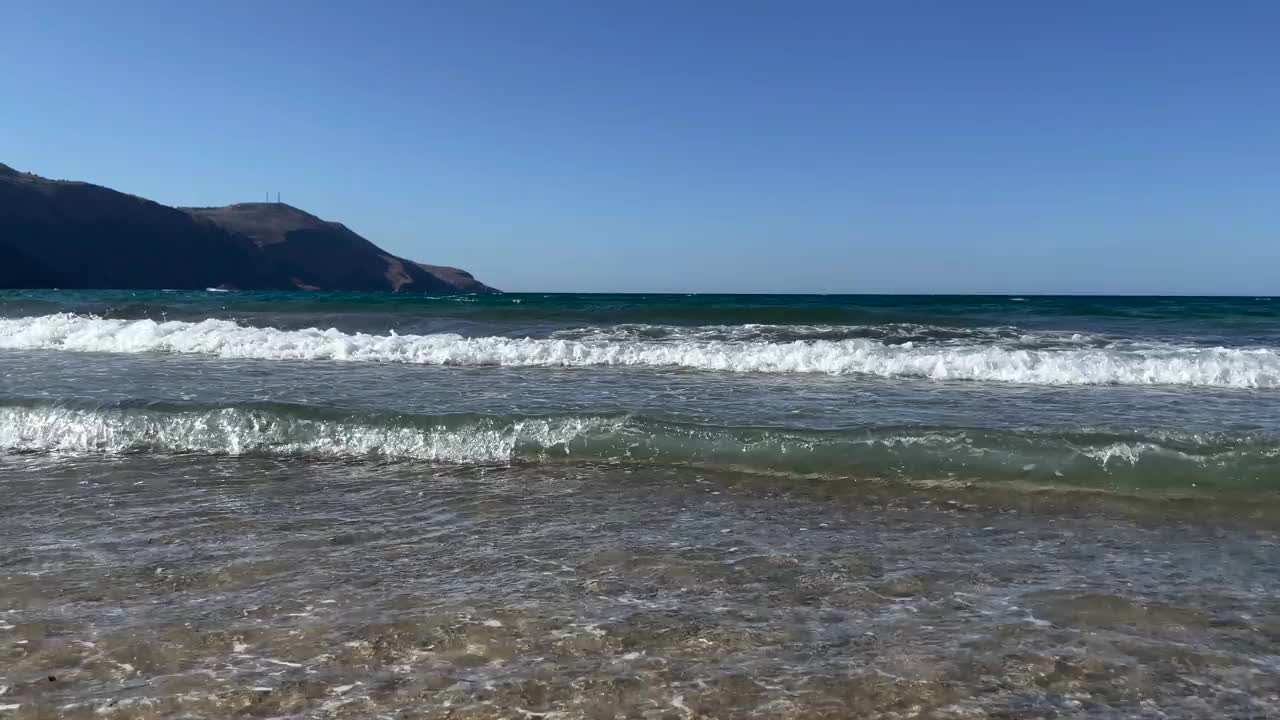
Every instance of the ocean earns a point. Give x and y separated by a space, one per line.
230 504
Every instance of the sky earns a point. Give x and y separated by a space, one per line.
659 146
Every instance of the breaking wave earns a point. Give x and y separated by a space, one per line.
889 333
1071 361
1205 461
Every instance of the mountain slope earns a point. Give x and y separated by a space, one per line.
314 253
56 233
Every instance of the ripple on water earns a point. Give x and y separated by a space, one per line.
257 587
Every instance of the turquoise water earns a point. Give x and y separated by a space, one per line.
1121 393
1241 317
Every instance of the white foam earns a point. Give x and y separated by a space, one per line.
235 432
1130 453
892 332
1124 365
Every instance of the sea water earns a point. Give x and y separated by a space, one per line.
362 505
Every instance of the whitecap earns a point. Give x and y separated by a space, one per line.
1116 364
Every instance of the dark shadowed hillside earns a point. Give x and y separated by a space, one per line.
56 233
314 253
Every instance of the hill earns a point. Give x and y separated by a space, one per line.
68 234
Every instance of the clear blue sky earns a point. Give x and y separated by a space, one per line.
693 146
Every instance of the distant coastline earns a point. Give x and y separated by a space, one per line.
77 235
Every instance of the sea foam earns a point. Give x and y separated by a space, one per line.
1086 365
238 431
917 453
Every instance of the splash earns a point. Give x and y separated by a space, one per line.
1093 459
1072 363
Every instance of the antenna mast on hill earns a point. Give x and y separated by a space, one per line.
277 198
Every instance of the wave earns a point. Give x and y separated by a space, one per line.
1133 364
889 333
274 430
1205 461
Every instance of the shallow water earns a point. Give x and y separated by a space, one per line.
197 522
150 587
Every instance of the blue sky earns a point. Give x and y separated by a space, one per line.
693 146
